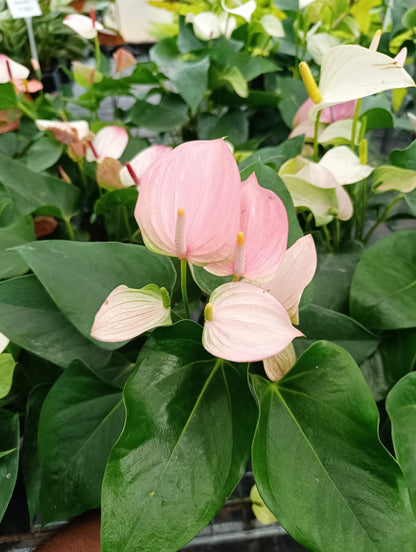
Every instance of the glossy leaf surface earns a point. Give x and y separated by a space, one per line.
30 318
32 191
184 447
318 462
9 456
383 289
18 233
7 364
80 420
319 323
401 407
79 276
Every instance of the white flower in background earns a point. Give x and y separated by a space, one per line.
208 26
272 26
83 25
244 10
318 44
10 70
65 131
4 341
131 174
304 3
412 119
110 141
350 72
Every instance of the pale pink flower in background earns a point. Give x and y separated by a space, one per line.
10 70
303 125
131 174
124 59
65 131
31 86
44 225
294 273
189 203
127 313
244 323
83 25
110 141
262 237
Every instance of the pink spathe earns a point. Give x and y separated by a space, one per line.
264 223
110 141
140 163
189 203
248 324
10 70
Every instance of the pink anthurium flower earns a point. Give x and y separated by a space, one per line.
189 203
260 245
65 131
131 174
124 59
10 70
110 141
303 125
127 313
295 272
244 323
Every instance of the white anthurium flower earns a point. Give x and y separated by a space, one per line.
78 128
272 26
350 72
4 341
83 25
131 174
339 132
304 3
127 313
244 10
10 69
315 187
345 165
388 178
412 119
206 26
318 45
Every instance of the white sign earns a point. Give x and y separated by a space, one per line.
24 8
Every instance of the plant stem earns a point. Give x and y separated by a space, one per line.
26 111
336 234
69 229
354 124
382 218
134 235
80 164
327 238
97 54
315 137
183 287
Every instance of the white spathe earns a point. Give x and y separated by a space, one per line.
350 72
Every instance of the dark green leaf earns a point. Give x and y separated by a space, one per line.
320 323
42 154
30 319
406 159
233 125
9 462
18 233
401 408
171 113
8 96
9 144
292 93
383 289
191 80
268 178
318 462
275 156
168 475
32 191
80 276
248 66
207 281
334 274
126 197
80 420
378 118
393 359
30 458
411 201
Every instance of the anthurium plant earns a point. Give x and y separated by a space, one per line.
237 287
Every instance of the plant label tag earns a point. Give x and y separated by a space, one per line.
21 9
